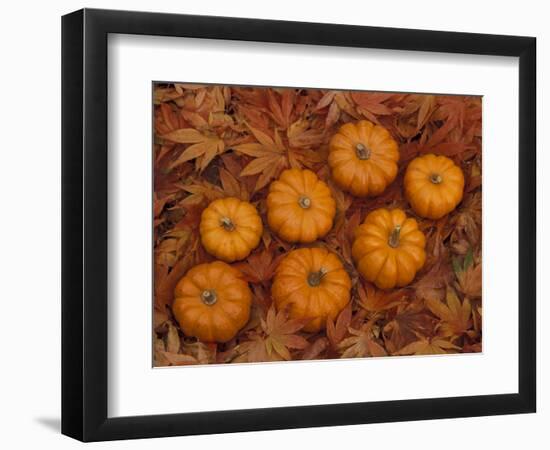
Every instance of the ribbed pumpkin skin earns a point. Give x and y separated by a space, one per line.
375 257
292 289
217 322
434 185
368 176
230 229
300 207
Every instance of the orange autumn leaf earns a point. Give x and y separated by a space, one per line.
205 148
455 315
269 155
361 343
469 281
375 300
337 331
409 322
434 346
259 266
277 339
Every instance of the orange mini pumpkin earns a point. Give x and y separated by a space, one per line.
389 248
230 229
212 302
300 207
363 158
434 185
312 283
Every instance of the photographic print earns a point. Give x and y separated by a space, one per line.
307 224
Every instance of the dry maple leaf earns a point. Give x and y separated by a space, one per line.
375 300
409 322
203 149
326 100
371 105
172 339
270 157
167 119
174 359
259 267
414 115
165 281
469 281
172 247
204 353
427 346
161 95
468 275
281 105
434 282
300 134
467 221
361 343
315 350
277 339
232 186
337 331
455 315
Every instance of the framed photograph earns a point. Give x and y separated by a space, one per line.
274 224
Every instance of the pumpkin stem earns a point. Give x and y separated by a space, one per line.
209 297
314 278
362 152
304 202
227 223
393 241
435 178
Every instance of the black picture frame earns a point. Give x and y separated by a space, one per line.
84 224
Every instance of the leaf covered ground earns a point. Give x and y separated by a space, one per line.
217 141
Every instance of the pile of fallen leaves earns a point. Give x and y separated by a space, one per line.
217 141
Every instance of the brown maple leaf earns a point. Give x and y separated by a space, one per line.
362 342
270 157
167 119
415 112
166 280
316 349
427 346
260 266
434 282
165 94
371 105
455 315
337 331
281 105
409 322
468 275
466 222
375 300
204 148
276 340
